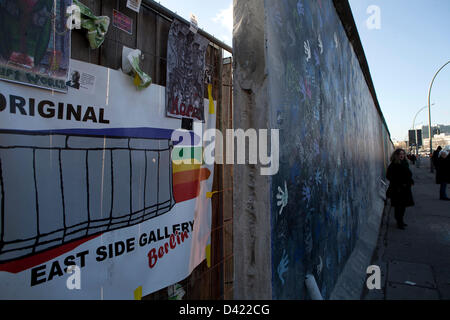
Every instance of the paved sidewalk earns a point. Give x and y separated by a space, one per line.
415 262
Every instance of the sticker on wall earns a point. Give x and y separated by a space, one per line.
35 43
80 80
122 22
193 23
134 5
185 73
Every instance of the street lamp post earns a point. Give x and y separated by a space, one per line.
414 124
414 120
429 114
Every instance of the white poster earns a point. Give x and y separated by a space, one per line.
80 80
97 181
134 5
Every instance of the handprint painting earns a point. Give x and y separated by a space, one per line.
319 201
34 42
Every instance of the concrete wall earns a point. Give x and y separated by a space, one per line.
296 70
251 191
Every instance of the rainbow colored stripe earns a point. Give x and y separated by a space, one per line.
187 172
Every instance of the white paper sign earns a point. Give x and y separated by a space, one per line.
88 180
193 23
80 80
134 5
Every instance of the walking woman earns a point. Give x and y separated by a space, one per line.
399 190
443 173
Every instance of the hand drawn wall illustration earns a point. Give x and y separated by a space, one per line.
56 188
185 72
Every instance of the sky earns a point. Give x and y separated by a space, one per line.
410 45
214 17
403 56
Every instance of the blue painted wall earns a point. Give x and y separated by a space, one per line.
333 146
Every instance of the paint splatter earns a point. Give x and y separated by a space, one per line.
336 41
305 89
291 34
300 8
306 192
319 39
279 117
299 254
294 173
319 266
316 148
328 262
316 58
317 114
307 48
278 19
283 266
308 235
318 177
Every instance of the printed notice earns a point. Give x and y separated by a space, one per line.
122 22
134 5
82 81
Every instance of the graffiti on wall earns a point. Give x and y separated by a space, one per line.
34 43
333 157
185 72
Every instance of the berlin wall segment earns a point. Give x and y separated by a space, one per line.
332 154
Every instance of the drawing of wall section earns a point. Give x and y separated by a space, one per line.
56 188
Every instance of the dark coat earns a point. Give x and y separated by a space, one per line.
435 157
399 190
443 170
